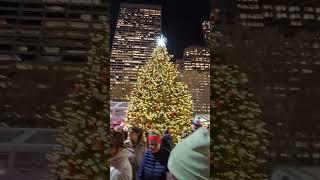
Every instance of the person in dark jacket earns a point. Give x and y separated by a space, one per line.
167 140
155 160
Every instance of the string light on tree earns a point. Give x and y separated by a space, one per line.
161 41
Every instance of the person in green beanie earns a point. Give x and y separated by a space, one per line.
190 159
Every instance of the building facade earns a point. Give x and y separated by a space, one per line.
282 62
196 58
48 30
259 13
206 31
137 27
179 64
196 73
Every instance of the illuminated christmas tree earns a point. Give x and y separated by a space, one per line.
84 120
159 99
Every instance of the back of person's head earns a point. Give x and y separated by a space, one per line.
139 132
117 139
190 159
166 131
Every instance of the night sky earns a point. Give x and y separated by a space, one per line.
181 21
222 4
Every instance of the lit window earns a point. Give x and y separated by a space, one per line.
292 16
309 9
291 8
307 71
283 8
279 15
267 6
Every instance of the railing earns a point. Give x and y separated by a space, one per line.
23 152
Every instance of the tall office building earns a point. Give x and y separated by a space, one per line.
46 38
137 27
206 31
196 60
48 29
259 13
179 64
276 44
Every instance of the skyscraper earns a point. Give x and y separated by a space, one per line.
137 27
47 36
276 44
206 31
196 60
48 30
259 13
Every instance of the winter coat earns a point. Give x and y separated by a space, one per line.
120 167
154 166
190 159
127 144
167 142
114 173
136 159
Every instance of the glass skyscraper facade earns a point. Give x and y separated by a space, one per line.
54 30
137 28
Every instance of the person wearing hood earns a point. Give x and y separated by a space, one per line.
120 167
190 159
154 163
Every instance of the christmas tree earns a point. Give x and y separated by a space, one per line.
84 130
238 135
159 99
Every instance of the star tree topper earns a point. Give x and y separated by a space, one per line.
161 41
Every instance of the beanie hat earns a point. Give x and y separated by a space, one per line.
190 159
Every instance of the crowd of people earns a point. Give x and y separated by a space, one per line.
138 154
